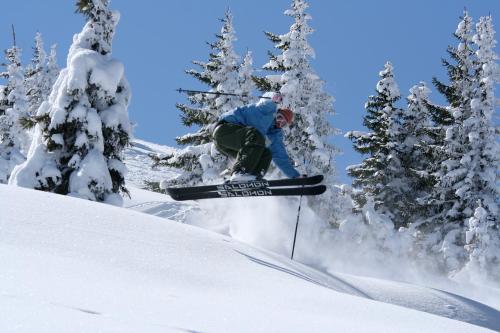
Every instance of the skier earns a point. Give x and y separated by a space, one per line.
241 134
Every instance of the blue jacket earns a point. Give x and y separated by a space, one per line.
261 116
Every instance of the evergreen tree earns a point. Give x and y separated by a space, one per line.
381 174
52 66
445 229
34 74
273 82
4 102
459 74
83 128
40 75
245 74
13 138
308 139
199 159
477 191
226 70
418 140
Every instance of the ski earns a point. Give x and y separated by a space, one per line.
313 180
251 192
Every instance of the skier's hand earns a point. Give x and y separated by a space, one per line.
277 98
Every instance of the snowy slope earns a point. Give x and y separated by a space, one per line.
434 301
79 266
139 164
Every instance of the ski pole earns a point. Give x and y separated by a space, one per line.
296 226
187 91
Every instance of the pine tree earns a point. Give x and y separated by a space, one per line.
52 68
381 174
34 74
13 138
478 190
4 102
418 139
226 73
83 128
199 159
40 75
445 231
245 74
308 139
459 74
464 191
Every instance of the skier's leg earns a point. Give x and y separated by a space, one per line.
265 161
226 151
228 139
244 143
250 154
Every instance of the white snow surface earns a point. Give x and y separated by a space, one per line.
139 163
74 265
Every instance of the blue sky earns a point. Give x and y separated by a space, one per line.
157 40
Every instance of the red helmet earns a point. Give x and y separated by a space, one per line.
287 115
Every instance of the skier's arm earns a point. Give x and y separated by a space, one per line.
267 107
280 156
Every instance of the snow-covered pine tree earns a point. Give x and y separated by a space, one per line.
478 192
302 89
245 74
445 231
226 73
459 73
33 75
418 139
13 137
199 159
4 103
381 174
40 75
83 128
53 69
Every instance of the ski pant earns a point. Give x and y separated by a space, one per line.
246 144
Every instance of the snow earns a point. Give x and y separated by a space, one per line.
359 249
72 264
38 172
139 163
158 205
387 84
90 172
